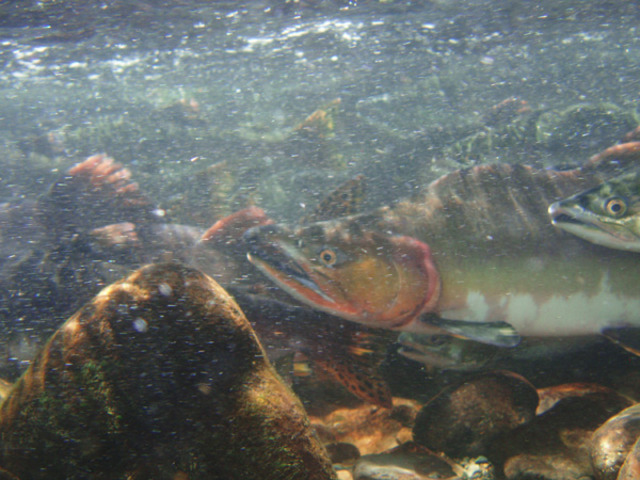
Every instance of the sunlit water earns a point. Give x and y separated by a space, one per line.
203 103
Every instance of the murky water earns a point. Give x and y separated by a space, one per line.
213 107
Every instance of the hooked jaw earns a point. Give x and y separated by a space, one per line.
386 281
285 266
588 226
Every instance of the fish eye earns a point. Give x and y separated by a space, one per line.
328 257
615 206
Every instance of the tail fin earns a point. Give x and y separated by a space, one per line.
355 365
94 193
349 352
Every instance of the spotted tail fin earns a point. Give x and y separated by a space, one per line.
356 368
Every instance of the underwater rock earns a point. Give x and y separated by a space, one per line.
607 400
160 376
411 461
342 452
369 428
555 445
550 467
612 442
5 388
465 419
401 462
630 469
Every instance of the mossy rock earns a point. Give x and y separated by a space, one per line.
160 376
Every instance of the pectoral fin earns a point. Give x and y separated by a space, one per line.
500 334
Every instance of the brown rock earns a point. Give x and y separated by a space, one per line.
550 467
608 399
465 419
160 376
557 441
368 427
407 461
630 469
612 442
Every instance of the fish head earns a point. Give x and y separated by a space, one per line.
607 215
375 279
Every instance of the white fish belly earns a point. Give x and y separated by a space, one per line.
549 302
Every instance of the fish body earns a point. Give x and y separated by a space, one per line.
491 247
607 215
88 229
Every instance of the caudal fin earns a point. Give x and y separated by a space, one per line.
93 194
355 366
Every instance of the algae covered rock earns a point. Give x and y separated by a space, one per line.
160 376
465 419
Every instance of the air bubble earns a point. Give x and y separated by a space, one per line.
165 289
140 325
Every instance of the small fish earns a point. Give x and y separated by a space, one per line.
444 352
607 215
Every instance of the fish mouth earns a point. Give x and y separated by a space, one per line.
592 229
270 253
279 263
561 215
575 220
562 218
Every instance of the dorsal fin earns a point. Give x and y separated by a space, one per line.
345 200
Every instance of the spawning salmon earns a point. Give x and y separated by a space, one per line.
473 255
